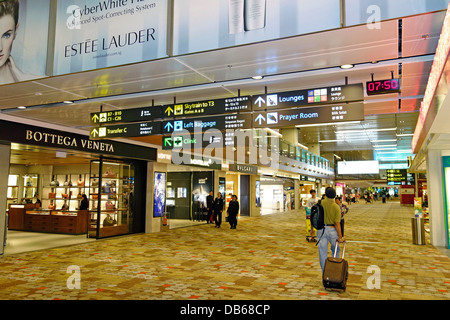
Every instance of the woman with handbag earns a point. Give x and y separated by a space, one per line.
233 211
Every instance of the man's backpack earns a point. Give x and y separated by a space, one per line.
317 216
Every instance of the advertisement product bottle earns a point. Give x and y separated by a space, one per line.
254 14
235 16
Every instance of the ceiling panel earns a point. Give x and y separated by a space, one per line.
421 33
320 50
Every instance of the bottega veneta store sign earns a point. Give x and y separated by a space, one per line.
32 135
67 141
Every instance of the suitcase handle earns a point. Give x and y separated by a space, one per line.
335 249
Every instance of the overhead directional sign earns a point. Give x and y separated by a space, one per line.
191 141
127 115
313 115
223 122
207 107
309 97
126 130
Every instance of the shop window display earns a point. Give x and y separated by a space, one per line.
111 198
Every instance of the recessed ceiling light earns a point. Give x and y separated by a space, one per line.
21 107
257 77
68 101
347 66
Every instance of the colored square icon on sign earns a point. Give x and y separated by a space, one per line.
178 125
272 100
102 132
272 118
178 109
178 142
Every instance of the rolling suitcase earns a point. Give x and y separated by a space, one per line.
335 271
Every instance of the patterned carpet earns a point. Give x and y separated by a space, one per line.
265 258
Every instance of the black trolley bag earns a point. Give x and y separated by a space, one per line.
335 271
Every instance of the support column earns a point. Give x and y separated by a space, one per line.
5 156
438 234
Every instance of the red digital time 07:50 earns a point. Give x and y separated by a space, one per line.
383 86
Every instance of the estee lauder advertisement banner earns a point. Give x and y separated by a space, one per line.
24 38
95 34
236 22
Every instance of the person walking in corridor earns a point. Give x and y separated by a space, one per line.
233 211
332 230
209 206
218 208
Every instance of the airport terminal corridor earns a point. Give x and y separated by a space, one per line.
265 258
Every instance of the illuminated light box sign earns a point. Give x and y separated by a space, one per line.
24 49
233 121
207 107
237 22
306 116
308 97
126 115
126 130
396 176
95 34
383 86
358 167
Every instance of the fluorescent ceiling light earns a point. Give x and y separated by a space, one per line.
405 134
347 66
331 140
302 146
257 77
21 107
385 149
387 140
364 130
274 132
326 124
385 146
68 102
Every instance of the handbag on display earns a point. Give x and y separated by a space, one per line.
110 206
80 196
109 173
109 221
94 183
80 182
52 206
65 206
52 195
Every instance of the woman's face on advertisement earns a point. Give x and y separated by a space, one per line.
7 33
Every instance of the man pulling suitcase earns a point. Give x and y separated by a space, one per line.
331 233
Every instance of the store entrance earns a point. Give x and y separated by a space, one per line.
58 198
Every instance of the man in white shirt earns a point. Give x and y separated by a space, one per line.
310 231
313 200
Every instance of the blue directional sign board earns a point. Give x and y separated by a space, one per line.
313 115
223 122
309 97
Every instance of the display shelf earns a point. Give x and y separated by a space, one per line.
110 195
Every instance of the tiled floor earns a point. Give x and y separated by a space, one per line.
264 258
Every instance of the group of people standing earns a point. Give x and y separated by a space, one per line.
216 206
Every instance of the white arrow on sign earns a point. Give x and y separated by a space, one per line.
260 118
260 101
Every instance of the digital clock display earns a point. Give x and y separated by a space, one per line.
383 86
